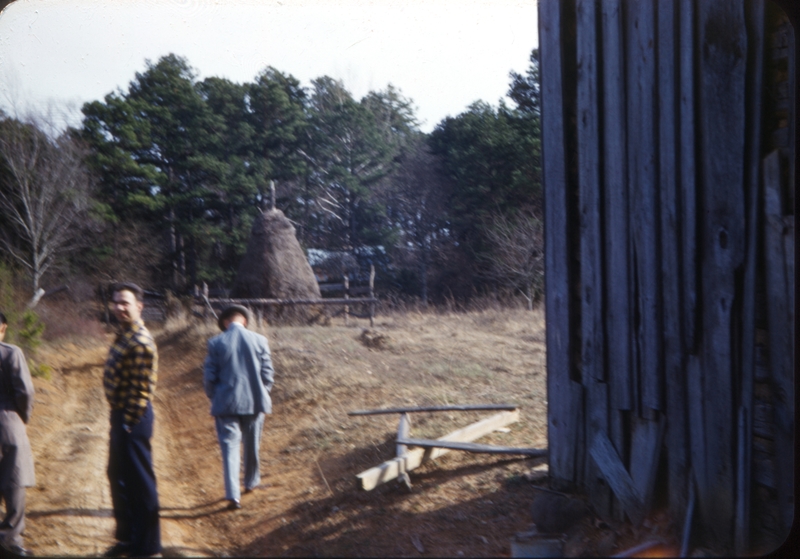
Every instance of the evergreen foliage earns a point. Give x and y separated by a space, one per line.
184 166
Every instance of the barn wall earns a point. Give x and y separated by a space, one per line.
669 256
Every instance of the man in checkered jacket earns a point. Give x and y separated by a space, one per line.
129 380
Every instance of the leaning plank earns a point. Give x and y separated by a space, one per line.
687 519
472 447
610 466
390 469
469 407
646 441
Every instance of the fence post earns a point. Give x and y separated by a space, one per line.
371 295
346 296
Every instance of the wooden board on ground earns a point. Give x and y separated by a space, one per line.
472 447
390 469
468 407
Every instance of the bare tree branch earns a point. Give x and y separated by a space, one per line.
516 259
44 190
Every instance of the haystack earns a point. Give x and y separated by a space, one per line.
274 266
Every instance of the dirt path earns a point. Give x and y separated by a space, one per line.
69 510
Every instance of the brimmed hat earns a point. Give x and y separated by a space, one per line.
232 310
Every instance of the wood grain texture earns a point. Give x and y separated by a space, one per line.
615 206
562 429
687 145
642 177
589 195
754 109
722 56
671 303
780 283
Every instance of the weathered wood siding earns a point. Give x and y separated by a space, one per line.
664 225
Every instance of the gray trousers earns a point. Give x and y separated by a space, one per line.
232 430
14 521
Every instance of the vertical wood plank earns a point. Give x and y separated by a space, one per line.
561 429
779 320
591 236
677 450
618 310
642 163
741 524
579 406
403 431
722 55
615 190
591 242
755 70
697 433
688 170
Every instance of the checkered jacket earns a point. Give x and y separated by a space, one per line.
131 370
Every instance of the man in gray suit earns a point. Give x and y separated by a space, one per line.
16 458
238 377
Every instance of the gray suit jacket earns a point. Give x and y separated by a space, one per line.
237 373
16 404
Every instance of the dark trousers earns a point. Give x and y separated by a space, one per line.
133 484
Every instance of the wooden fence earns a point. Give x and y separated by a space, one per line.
345 301
669 258
210 303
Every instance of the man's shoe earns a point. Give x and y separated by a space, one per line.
259 486
234 504
120 549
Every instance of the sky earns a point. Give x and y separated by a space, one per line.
442 54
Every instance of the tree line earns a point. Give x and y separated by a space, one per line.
162 181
